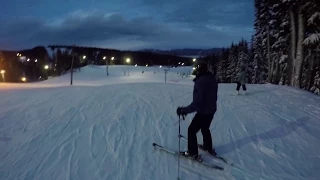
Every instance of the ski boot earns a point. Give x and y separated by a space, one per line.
194 157
212 152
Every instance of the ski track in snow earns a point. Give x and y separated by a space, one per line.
105 131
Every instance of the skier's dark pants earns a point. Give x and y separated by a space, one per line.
200 121
239 85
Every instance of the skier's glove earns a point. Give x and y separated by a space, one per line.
181 112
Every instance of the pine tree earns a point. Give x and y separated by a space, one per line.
232 66
279 25
297 30
312 43
263 17
222 65
316 85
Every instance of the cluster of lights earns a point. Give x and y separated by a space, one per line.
28 60
19 55
24 79
104 58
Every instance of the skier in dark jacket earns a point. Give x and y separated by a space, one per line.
205 105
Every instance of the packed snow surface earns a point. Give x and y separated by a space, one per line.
103 127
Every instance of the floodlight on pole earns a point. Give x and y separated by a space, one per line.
128 60
2 74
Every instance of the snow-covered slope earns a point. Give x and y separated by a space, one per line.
103 128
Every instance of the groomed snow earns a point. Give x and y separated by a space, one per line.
103 128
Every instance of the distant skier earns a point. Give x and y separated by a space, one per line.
241 80
205 105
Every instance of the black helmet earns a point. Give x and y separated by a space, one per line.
202 67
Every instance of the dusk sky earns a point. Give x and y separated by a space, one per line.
125 25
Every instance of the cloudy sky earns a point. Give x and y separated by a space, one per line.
125 24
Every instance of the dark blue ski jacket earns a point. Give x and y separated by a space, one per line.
204 95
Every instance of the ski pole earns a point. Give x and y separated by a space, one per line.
179 152
179 120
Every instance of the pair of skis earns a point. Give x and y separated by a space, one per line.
183 155
178 153
200 146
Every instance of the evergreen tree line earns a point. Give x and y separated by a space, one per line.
40 62
65 56
284 50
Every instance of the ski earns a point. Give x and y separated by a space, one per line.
178 153
201 147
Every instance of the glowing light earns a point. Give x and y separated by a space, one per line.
128 60
23 79
112 58
104 57
84 57
2 71
194 60
46 67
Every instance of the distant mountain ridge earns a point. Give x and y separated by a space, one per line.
185 52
